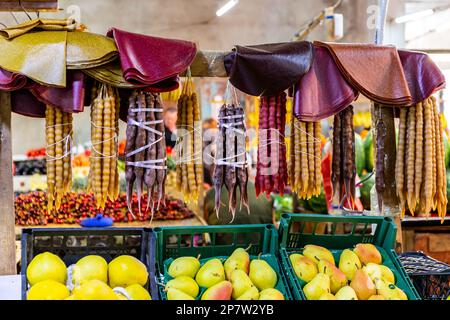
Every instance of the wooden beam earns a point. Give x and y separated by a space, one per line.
7 218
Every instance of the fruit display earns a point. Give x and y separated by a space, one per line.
90 278
103 173
189 169
305 161
271 168
36 153
361 273
145 150
420 165
30 167
231 161
237 277
31 209
59 135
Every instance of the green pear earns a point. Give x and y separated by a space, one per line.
175 294
349 263
327 296
185 284
250 294
386 274
271 294
184 266
390 291
318 286
219 291
317 253
241 283
367 252
210 273
304 267
239 260
262 275
346 293
338 279
363 285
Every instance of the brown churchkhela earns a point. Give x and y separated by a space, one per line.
343 170
420 164
145 149
231 164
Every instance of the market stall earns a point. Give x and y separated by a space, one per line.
346 255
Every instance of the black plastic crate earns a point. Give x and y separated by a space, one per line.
430 277
72 244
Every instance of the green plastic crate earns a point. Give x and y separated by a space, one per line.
217 242
294 236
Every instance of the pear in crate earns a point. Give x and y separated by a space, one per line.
346 293
175 294
349 263
271 294
363 285
219 291
184 266
304 267
317 287
239 260
367 252
317 253
211 273
250 294
337 277
241 283
262 275
185 284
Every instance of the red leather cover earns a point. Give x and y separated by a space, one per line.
375 71
423 76
322 92
11 81
152 61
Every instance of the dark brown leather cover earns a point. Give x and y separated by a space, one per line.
375 71
152 61
322 92
268 69
423 76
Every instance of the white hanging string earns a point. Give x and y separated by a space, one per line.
67 140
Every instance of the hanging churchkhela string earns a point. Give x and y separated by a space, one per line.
59 135
189 166
145 149
231 161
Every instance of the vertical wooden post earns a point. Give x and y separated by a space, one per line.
7 219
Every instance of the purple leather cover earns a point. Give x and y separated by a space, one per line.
11 81
25 103
152 61
423 76
322 92
69 99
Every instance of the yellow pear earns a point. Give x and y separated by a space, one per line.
337 277
390 291
48 290
219 291
363 285
126 270
241 283
184 266
346 293
373 270
90 268
317 253
271 294
185 284
304 267
46 266
349 263
175 294
376 297
250 294
138 292
94 290
327 296
318 286
239 260
386 274
367 252
262 275
210 273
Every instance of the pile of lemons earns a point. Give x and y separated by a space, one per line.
91 278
